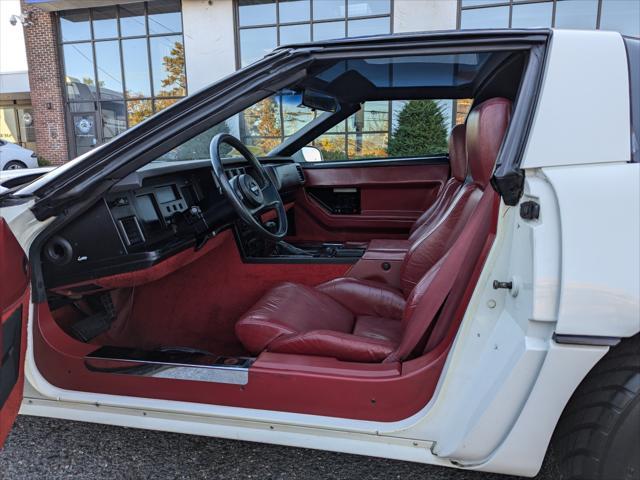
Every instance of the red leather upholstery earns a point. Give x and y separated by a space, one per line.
486 126
436 239
334 317
367 321
373 340
364 297
458 152
291 308
458 162
385 245
327 343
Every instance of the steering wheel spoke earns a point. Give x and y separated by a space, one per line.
271 195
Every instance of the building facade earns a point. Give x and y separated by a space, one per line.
16 116
98 67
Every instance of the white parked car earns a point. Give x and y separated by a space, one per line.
387 296
14 157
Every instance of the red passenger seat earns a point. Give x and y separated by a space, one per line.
366 321
458 164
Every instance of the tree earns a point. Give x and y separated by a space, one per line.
176 79
420 130
332 147
261 121
138 111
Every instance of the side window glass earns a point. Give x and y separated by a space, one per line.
389 130
261 127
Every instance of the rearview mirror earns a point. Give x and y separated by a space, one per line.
317 100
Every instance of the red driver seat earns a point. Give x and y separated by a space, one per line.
366 321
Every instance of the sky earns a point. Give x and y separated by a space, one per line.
12 52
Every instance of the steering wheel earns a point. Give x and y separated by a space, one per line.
249 196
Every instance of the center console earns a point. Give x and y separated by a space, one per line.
256 249
322 250
377 260
382 261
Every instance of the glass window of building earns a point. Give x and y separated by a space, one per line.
16 123
618 15
265 24
121 65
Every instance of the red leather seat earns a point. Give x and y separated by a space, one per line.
365 321
458 163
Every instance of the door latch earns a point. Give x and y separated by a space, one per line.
497 284
513 286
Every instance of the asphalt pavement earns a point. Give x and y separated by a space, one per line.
51 449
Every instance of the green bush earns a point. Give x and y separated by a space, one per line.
421 130
43 162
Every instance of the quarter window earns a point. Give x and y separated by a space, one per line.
121 65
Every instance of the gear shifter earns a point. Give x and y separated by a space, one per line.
285 247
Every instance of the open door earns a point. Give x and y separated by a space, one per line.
14 307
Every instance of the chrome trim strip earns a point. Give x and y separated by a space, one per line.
178 364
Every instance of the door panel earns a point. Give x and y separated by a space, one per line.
359 202
14 307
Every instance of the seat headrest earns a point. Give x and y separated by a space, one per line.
486 126
458 153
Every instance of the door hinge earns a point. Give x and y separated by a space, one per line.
530 210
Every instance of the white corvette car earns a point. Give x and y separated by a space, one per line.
382 293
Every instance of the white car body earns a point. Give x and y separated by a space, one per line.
14 156
509 375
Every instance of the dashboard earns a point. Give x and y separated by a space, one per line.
150 215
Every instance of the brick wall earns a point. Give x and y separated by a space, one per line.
45 81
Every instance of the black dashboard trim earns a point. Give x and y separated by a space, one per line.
101 246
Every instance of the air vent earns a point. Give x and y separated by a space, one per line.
132 231
300 173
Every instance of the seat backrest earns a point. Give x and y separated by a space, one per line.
458 163
451 245
485 129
